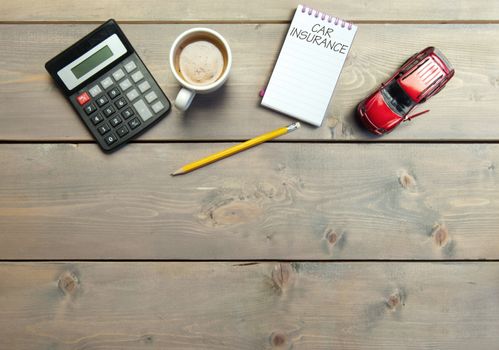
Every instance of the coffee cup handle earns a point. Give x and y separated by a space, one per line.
184 99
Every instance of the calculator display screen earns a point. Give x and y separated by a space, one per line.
91 62
84 67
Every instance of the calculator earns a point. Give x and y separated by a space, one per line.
109 86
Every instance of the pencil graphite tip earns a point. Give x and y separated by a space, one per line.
177 172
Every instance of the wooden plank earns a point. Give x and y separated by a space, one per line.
256 306
276 201
259 10
33 109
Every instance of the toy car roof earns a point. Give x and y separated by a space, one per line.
418 81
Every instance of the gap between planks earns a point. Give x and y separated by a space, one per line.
245 262
207 21
395 142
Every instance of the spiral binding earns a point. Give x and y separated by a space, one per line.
324 16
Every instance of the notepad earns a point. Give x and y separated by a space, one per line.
309 65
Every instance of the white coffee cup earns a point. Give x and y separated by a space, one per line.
189 90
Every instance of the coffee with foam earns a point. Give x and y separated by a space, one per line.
201 60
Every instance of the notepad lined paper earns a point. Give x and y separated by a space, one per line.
309 65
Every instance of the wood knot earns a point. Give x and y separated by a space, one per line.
333 239
147 338
278 339
395 300
230 211
407 181
440 235
282 275
68 283
331 236
332 122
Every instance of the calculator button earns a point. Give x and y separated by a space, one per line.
157 107
137 76
120 103
115 121
107 82
95 90
101 101
122 131
130 66
119 74
135 122
151 96
114 92
103 128
90 108
83 98
127 113
110 139
132 94
109 110
141 108
144 86
96 118
125 84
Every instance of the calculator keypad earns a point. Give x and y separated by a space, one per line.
157 107
83 98
101 101
134 123
117 75
121 103
109 110
127 113
96 118
114 92
122 131
144 86
90 108
95 90
103 128
151 96
132 94
130 66
115 121
106 82
125 84
142 109
137 76
110 139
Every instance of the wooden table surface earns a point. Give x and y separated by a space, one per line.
325 239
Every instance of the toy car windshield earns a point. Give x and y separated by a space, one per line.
397 99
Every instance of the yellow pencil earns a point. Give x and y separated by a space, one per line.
235 149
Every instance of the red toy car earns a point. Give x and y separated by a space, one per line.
420 77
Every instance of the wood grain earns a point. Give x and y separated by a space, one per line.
276 201
33 109
257 10
249 306
292 201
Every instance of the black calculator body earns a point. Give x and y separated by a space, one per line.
109 86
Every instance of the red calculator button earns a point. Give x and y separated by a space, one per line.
83 98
